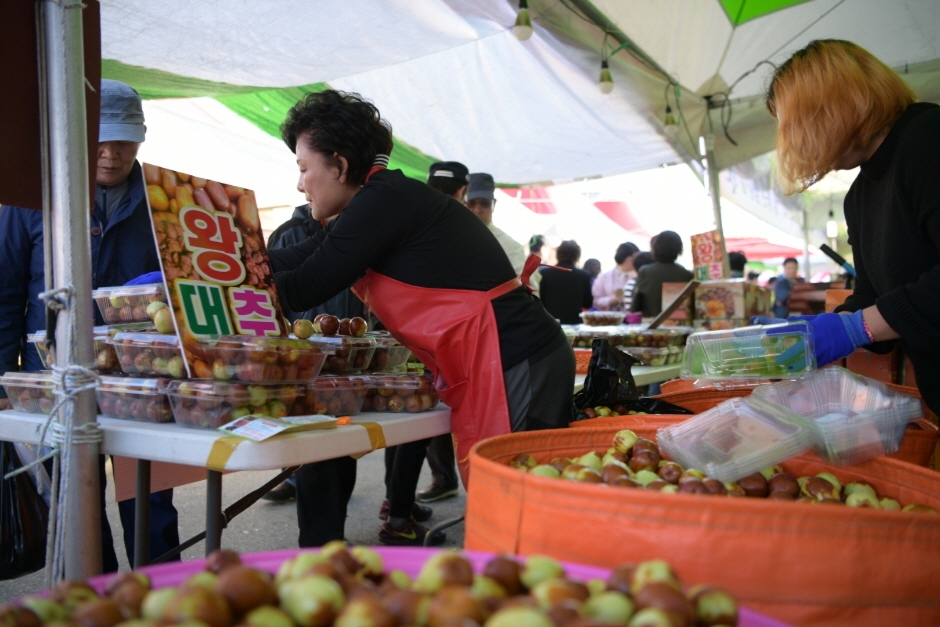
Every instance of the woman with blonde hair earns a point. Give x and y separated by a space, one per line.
838 107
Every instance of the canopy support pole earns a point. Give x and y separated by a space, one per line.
715 192
806 268
68 166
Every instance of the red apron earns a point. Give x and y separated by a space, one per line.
453 332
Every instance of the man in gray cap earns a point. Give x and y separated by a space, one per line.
122 248
481 200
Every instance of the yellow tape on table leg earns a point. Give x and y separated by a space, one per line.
222 450
376 436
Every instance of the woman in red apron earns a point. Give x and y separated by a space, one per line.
429 269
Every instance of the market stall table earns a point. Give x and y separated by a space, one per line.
169 442
643 375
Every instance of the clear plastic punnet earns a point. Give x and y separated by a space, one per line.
252 359
735 439
132 398
128 303
851 418
345 353
664 356
336 395
29 391
776 351
390 355
602 318
149 354
401 392
208 404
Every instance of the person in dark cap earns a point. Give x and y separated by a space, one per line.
449 177
122 249
481 200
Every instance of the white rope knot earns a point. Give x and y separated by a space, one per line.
58 298
88 433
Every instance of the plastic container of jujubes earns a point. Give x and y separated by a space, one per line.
208 404
390 355
850 418
134 398
128 303
345 353
602 318
252 359
149 354
29 391
337 395
106 359
664 356
777 351
402 392
735 439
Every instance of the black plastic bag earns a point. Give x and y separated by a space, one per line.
610 383
24 518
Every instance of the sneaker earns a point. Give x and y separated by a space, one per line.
435 492
419 513
283 493
411 534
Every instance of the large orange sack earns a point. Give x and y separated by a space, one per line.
803 564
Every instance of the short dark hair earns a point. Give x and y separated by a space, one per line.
642 259
753 276
339 123
446 184
627 249
789 259
736 261
568 251
667 246
592 267
535 243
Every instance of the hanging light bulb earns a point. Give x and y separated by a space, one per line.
606 82
522 29
670 125
832 227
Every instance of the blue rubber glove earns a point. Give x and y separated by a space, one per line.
146 279
834 335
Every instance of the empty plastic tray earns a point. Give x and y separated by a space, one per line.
851 418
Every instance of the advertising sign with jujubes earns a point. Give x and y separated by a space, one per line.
215 265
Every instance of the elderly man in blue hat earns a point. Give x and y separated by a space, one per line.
122 247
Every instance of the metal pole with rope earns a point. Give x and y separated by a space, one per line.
75 519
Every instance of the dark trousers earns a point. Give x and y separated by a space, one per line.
164 525
323 491
402 471
443 461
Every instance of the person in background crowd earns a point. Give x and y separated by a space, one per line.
648 295
445 178
122 249
592 267
784 285
337 474
838 108
566 290
536 244
752 277
771 283
481 200
608 288
736 262
639 260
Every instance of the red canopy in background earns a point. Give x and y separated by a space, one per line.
620 213
535 198
759 248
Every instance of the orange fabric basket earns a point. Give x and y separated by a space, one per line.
803 564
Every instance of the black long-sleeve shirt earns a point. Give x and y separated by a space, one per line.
893 215
565 292
405 230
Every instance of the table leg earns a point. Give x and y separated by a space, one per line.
213 511
142 515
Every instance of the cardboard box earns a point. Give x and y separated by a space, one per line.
731 300
682 315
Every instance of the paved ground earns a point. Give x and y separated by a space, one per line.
266 526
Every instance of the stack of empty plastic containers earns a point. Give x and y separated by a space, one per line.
846 417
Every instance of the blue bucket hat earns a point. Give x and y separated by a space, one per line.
122 114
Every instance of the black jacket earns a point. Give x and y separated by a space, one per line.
300 227
892 212
565 293
648 295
